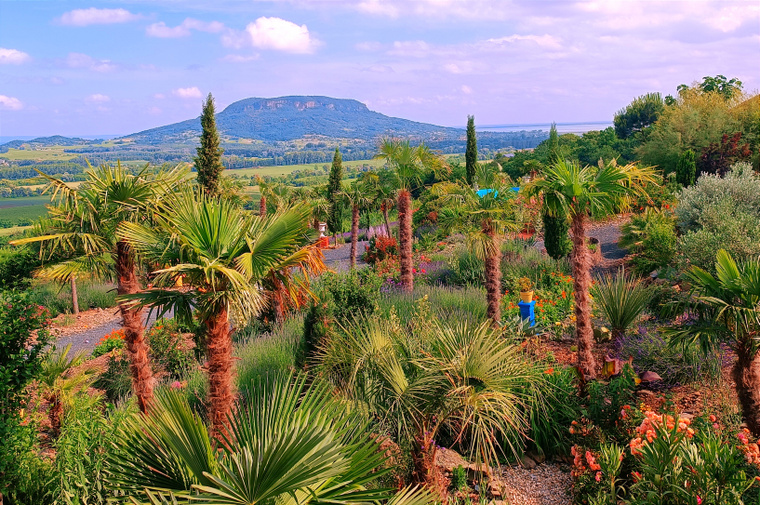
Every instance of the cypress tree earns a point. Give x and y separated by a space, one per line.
556 240
471 152
335 219
686 169
208 163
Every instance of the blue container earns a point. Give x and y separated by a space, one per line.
528 311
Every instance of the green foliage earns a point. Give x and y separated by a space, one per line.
426 379
606 400
171 348
116 380
642 112
16 267
550 418
720 213
449 304
468 269
335 217
82 449
718 84
651 237
459 478
620 300
24 474
114 340
208 163
681 364
286 439
686 169
268 355
57 298
556 239
471 151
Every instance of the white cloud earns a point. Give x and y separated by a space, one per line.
280 35
466 89
184 29
239 58
12 56
93 16
159 96
192 92
413 48
10 103
80 60
544 41
368 46
379 8
98 98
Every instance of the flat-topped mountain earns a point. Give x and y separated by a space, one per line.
294 117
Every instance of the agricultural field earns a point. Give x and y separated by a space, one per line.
53 153
21 211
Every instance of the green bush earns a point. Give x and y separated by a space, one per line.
556 239
116 381
270 354
171 349
449 304
720 213
620 300
16 267
651 237
469 270
83 449
57 298
550 418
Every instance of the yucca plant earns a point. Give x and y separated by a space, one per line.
289 443
621 300
424 378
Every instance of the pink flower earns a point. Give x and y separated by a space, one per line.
598 476
176 385
699 500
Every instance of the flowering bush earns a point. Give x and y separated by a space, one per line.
114 340
380 248
553 297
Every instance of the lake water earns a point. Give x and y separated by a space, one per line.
561 127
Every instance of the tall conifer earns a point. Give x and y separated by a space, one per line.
471 153
335 219
556 240
208 163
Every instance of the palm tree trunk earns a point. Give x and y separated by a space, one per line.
219 371
384 208
582 284
405 239
74 296
132 323
746 375
493 276
263 206
354 233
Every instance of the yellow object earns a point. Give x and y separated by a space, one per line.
526 296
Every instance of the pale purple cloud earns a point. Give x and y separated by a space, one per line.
161 30
94 16
12 56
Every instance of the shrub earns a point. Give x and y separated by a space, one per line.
114 340
171 349
469 270
116 381
720 213
550 418
651 237
621 300
16 267
449 304
686 169
57 299
380 248
676 365
556 239
271 354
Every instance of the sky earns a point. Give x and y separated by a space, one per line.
118 67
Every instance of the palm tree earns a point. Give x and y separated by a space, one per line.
484 219
727 309
357 198
81 227
290 442
408 163
380 187
224 255
583 192
423 379
263 192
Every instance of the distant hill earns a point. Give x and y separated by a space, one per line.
55 140
295 117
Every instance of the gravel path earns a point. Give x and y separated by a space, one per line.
85 340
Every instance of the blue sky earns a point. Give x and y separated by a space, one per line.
116 67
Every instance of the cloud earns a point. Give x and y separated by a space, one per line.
93 16
97 98
368 46
12 56
544 41
80 60
275 34
466 89
413 48
378 8
192 92
10 103
184 29
239 58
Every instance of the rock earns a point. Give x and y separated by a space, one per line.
602 334
649 376
527 462
538 458
645 394
448 459
653 274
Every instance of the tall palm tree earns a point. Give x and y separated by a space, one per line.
357 198
291 442
81 227
409 164
727 308
583 192
224 256
380 187
484 219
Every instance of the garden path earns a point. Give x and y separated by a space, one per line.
85 339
